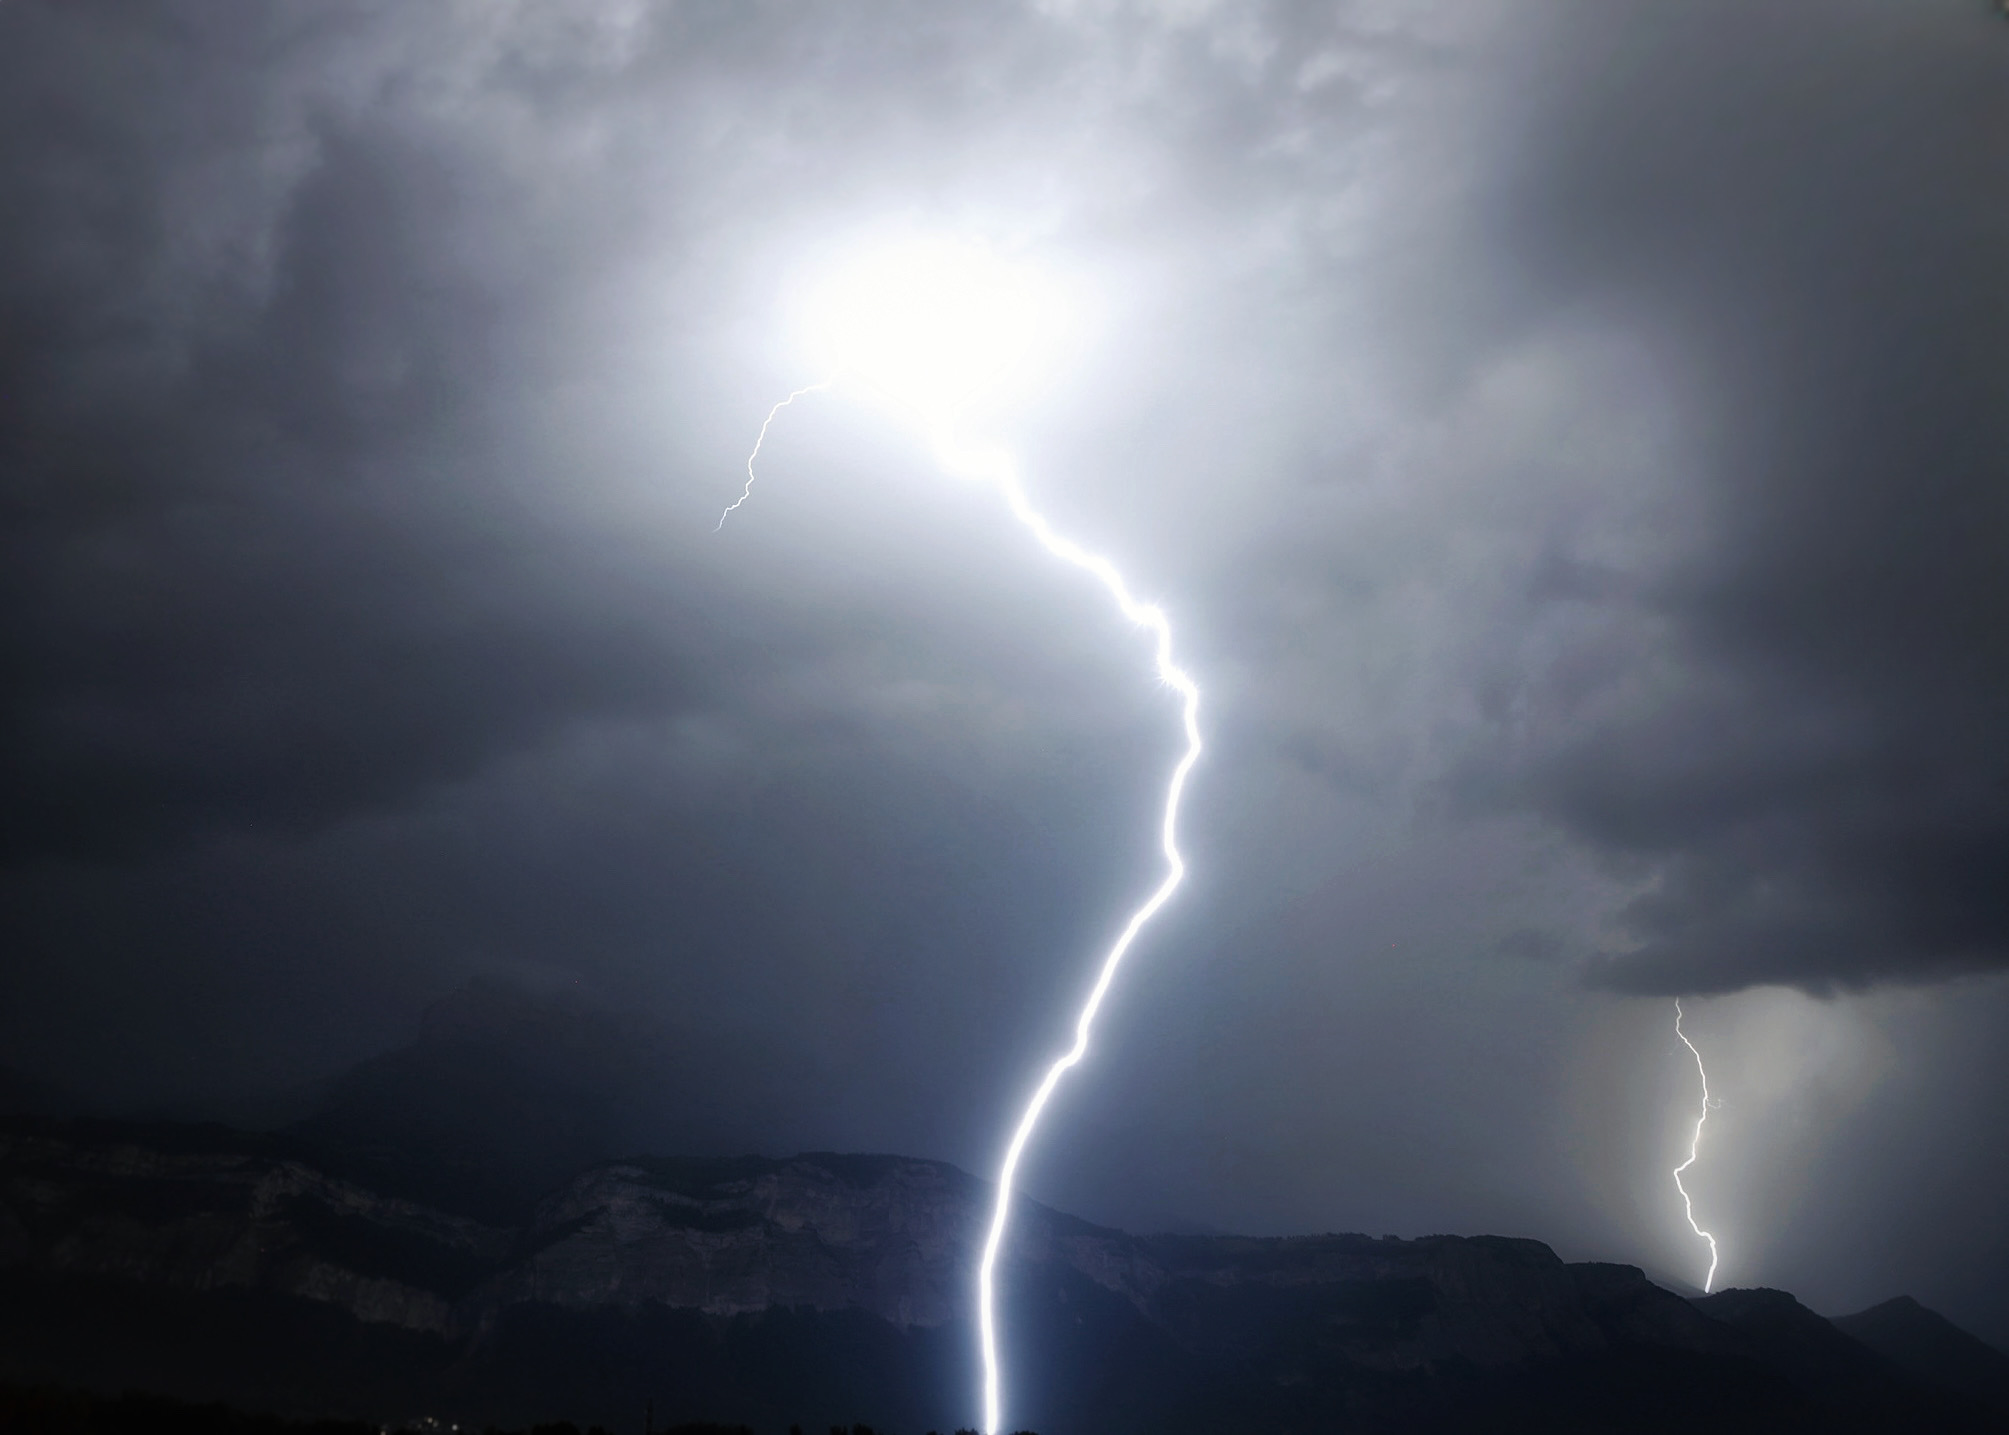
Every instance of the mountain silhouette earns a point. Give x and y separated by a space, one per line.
460 1229
1932 1349
504 1093
825 1289
1827 1364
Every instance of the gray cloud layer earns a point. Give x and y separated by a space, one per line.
1570 437
1803 738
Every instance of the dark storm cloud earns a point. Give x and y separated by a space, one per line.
274 294
1803 750
333 577
1567 435
249 570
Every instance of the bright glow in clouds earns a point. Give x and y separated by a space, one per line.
932 324
1694 1149
930 327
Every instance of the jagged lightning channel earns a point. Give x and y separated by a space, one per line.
1694 1149
994 467
766 424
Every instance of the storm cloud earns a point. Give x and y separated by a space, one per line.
1569 436
1802 737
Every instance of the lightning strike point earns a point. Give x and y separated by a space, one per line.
1694 1149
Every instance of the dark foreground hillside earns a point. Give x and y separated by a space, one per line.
205 1264
51 1410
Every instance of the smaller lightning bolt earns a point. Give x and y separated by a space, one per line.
765 425
1694 1149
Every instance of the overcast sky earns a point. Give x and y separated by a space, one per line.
1571 440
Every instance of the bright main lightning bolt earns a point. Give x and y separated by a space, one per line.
998 470
995 468
1694 1149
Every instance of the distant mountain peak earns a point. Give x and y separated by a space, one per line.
837 1285
1929 1347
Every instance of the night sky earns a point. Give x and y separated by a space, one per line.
1571 437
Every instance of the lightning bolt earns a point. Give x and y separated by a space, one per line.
1694 1149
998 470
994 467
766 424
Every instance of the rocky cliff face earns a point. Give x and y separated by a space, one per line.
889 1237
892 1238
207 1210
818 1285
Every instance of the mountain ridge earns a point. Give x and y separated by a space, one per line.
836 1288
1932 1348
460 1227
